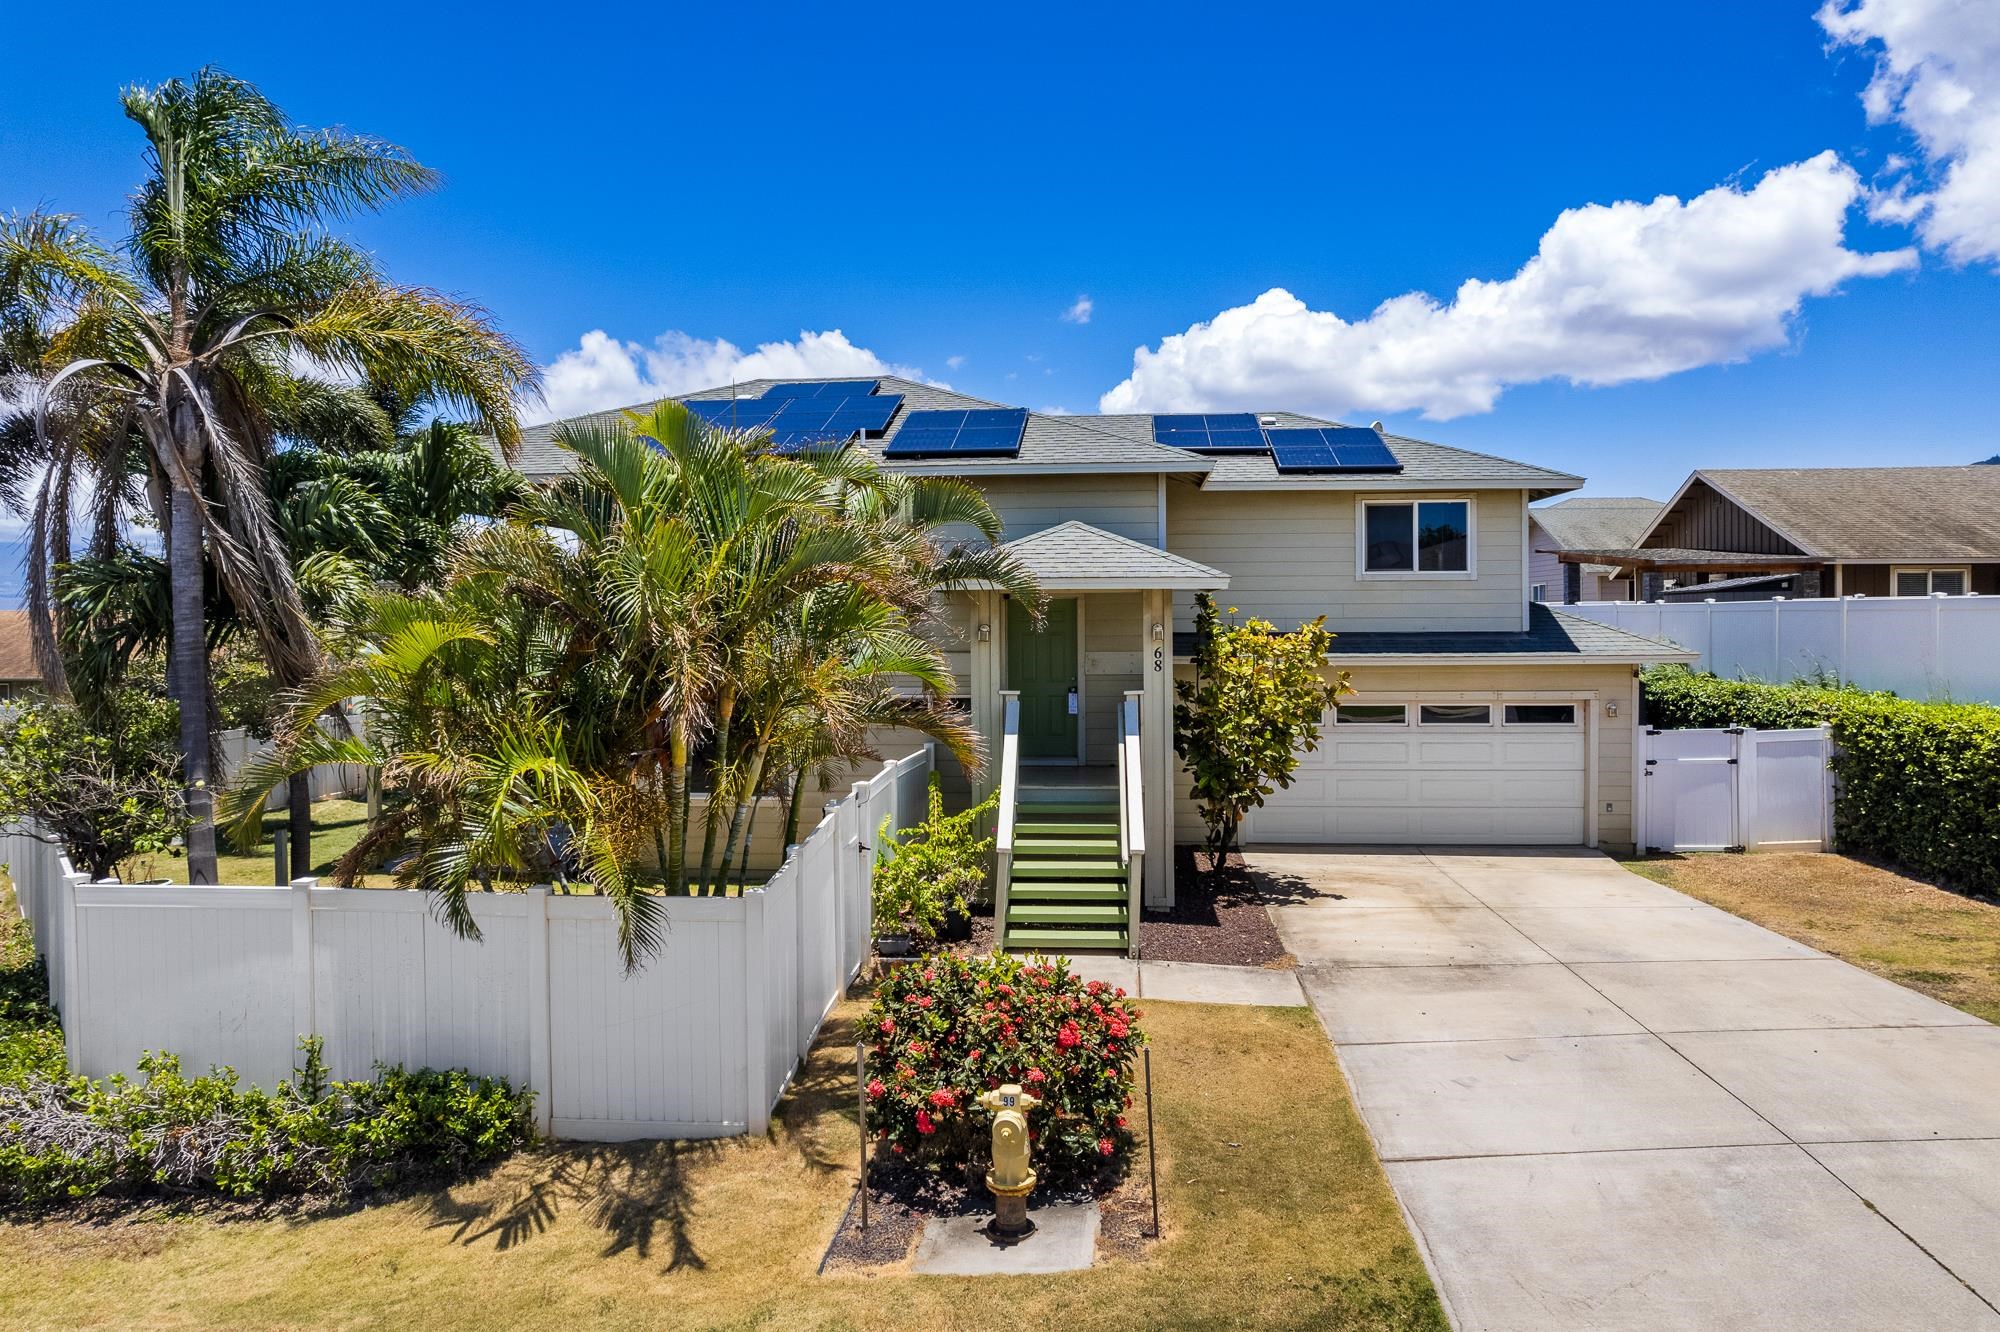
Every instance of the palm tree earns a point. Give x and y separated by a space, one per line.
182 344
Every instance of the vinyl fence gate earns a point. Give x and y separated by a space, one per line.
1735 789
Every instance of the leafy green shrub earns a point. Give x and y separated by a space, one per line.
68 1139
106 787
930 869
947 1028
1253 706
1918 783
31 1042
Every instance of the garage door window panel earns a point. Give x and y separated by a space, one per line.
1541 714
1455 714
1371 714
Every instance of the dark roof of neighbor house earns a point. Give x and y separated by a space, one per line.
1550 633
1682 557
1696 591
1597 521
17 655
1872 513
1056 443
1075 555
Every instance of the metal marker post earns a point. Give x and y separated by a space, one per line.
281 856
1152 1160
861 1118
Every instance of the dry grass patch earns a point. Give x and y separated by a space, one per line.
1276 1215
1940 943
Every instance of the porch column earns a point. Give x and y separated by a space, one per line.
1156 731
984 685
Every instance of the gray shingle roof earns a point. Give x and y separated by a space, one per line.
1873 513
1597 522
1122 443
1551 633
1075 555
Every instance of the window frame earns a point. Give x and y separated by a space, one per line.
1412 501
1896 571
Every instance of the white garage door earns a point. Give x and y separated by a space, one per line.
1436 772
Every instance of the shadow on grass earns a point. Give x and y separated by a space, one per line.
644 1195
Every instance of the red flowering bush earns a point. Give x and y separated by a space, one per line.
947 1028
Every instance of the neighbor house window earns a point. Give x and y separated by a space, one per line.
1370 714
1416 537
1455 714
1923 582
1539 592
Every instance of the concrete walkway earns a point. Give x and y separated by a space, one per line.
1605 1105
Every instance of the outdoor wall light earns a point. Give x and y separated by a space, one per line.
986 633
1159 631
1610 709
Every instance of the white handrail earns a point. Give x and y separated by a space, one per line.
1131 814
1003 833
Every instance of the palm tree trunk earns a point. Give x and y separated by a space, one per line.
792 813
749 833
189 653
753 777
299 819
712 820
677 808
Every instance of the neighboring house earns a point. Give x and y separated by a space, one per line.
18 675
1478 715
1818 532
1585 523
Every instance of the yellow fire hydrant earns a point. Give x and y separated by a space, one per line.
1011 1177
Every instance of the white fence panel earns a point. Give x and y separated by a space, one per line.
1920 647
700 1041
1734 789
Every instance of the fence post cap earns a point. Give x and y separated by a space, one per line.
306 881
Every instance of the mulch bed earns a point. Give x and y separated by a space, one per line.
1215 918
902 1198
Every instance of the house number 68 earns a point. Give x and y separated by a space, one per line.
1159 658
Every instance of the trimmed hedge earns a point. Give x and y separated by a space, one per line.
1918 783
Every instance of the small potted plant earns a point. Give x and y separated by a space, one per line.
927 875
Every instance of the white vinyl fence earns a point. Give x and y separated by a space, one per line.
237 746
699 1043
1935 647
1732 789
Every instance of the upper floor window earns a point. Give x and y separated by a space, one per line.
1923 582
1417 537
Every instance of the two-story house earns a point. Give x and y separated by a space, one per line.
1479 715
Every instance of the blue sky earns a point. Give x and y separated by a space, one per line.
942 185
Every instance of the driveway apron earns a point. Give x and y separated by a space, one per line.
1606 1105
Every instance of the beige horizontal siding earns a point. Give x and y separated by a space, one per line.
1290 556
1126 505
1111 643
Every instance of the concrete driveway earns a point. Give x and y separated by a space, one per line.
1605 1105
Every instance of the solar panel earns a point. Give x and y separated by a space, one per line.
1221 432
1331 449
735 413
793 421
825 388
985 432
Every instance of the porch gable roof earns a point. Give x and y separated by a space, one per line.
1076 557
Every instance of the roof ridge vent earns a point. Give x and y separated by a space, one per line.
1376 426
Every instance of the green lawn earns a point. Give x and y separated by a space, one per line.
337 826
1943 944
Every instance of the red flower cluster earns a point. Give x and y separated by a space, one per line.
953 1027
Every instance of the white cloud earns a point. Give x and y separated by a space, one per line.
601 372
1079 311
1937 73
1618 292
953 362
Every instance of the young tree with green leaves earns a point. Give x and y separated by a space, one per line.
1254 705
162 367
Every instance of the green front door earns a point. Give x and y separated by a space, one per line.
1043 667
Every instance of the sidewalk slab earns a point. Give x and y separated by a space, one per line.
1204 983
1751 1239
1764 995
1371 1005
1860 1084
1589 1094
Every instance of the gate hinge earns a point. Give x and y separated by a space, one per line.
1731 762
1740 850
1652 763
1733 730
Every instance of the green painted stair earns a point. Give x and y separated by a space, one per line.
1067 891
